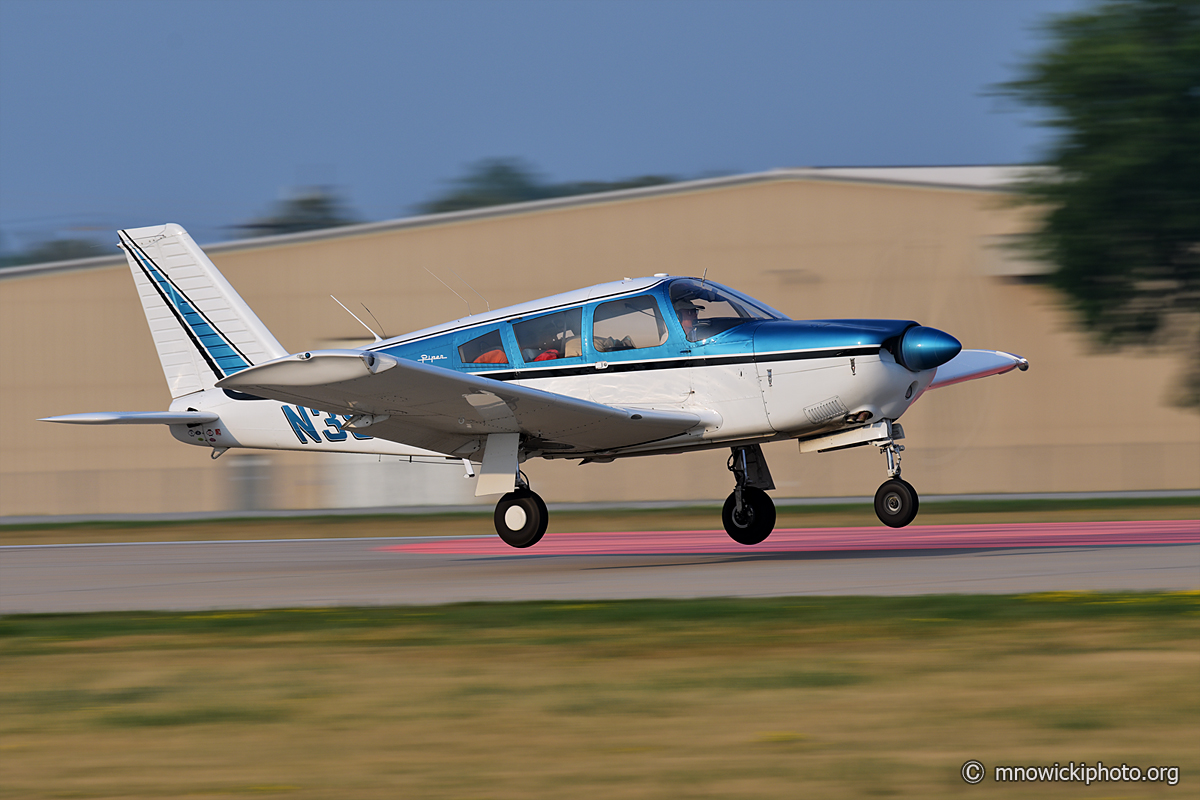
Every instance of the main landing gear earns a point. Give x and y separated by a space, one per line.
896 501
521 516
749 513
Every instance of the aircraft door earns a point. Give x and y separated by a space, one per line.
550 352
635 359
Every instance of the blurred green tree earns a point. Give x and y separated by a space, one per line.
1121 83
57 250
310 209
500 181
491 182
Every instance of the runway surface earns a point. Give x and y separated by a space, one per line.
1103 556
915 537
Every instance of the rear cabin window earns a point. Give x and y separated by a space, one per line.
486 349
550 337
628 324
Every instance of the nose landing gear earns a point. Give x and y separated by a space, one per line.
896 501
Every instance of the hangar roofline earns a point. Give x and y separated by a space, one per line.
975 178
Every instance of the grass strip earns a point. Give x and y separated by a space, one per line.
463 623
755 698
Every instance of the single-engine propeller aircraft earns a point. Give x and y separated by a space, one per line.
637 367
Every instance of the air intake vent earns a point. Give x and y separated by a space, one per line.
825 410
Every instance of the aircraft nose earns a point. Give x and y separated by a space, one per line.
925 348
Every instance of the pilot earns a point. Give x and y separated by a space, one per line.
689 314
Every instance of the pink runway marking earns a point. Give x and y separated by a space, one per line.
914 537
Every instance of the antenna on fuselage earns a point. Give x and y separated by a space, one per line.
702 277
456 294
472 288
360 322
377 322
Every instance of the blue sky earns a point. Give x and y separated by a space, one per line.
120 113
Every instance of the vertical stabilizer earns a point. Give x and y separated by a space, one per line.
202 328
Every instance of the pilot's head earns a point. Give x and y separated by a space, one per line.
688 313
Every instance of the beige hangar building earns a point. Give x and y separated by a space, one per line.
928 244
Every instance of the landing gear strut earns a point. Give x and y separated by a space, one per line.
896 501
521 516
749 514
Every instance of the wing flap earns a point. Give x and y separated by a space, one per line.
971 364
447 411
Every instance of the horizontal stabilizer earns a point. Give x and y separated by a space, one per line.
136 418
971 364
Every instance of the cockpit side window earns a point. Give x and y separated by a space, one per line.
551 336
706 309
628 324
486 349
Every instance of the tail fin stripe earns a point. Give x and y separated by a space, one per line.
219 346
223 356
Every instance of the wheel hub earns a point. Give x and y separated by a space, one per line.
515 518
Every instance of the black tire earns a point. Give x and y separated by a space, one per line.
916 497
545 515
521 518
896 503
756 521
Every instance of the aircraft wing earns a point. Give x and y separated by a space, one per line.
447 411
971 364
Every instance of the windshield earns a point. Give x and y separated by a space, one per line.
706 309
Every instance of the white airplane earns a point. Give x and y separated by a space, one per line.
638 367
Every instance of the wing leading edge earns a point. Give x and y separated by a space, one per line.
451 412
971 364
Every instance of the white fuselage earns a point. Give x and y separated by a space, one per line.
739 402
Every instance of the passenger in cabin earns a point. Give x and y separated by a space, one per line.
609 344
